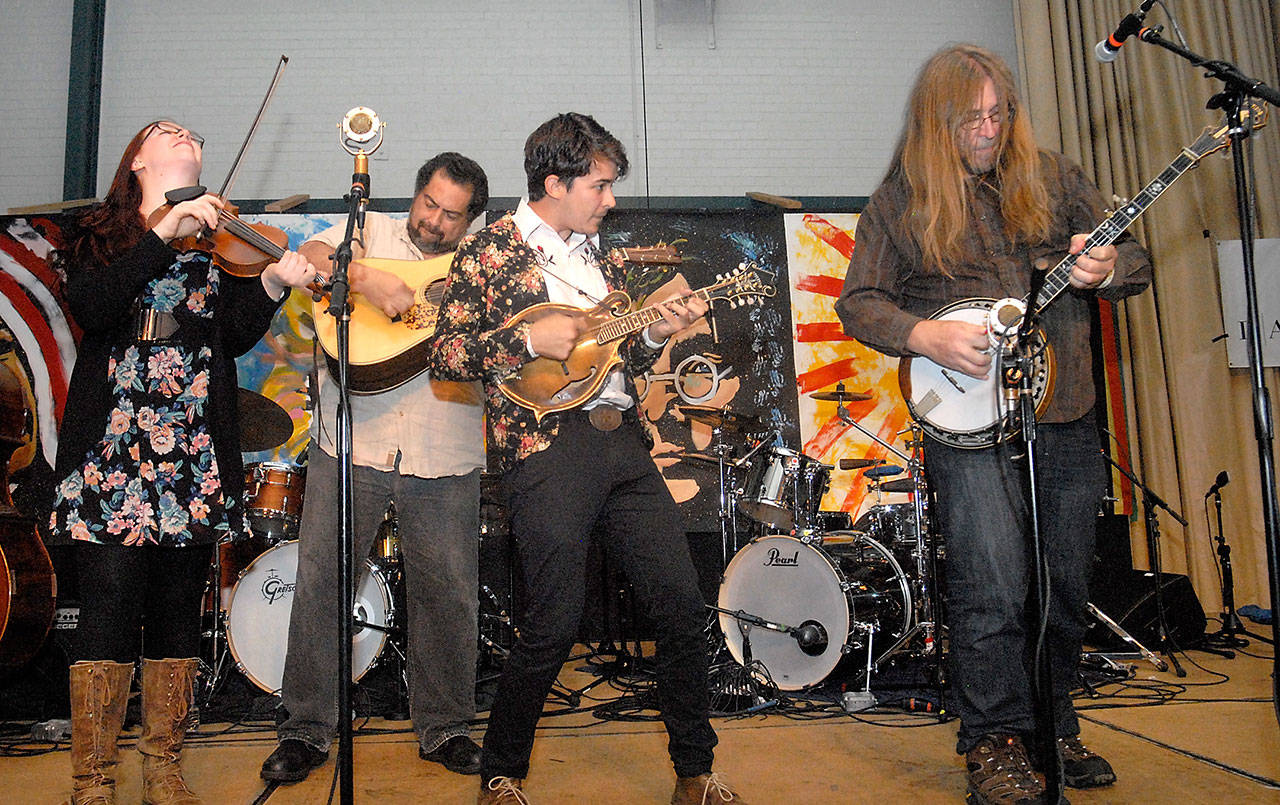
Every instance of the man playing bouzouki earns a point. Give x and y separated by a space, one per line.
569 471
968 207
421 446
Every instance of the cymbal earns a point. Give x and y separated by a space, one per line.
263 424
840 396
722 418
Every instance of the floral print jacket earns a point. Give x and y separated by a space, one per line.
494 276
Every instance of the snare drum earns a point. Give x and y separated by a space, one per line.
258 617
849 582
273 499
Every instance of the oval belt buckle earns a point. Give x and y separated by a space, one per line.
605 417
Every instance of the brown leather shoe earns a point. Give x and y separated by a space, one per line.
1000 772
1081 767
703 789
501 791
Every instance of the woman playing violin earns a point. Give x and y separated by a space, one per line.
148 473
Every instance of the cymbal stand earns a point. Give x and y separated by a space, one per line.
925 591
217 664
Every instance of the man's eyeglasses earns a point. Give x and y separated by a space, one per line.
974 121
175 130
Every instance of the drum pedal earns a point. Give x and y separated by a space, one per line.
857 701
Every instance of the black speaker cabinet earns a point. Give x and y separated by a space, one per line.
1130 601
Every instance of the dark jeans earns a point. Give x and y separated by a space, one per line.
128 591
984 517
439 541
556 498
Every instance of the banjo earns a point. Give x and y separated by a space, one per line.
967 412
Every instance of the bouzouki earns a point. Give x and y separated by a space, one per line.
544 385
387 352
967 412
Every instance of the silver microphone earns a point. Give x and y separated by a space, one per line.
358 128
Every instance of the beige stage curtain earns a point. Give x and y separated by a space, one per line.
1190 416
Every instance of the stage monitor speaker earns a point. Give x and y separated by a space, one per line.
1131 602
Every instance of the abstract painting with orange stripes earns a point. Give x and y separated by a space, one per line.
818 249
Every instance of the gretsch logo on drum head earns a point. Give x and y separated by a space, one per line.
776 559
274 588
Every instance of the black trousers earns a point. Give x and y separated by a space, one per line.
129 591
555 499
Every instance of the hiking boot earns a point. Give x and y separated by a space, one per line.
1082 768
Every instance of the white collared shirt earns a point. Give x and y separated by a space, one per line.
573 277
434 427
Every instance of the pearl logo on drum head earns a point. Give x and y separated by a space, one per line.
776 559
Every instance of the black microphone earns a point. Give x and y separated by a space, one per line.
811 637
1107 49
1218 483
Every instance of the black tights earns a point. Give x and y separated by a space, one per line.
128 590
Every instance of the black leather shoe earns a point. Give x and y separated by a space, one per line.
292 761
459 755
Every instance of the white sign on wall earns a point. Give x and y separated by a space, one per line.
1266 265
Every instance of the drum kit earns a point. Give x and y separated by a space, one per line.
255 574
810 590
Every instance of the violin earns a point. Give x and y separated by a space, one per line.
238 247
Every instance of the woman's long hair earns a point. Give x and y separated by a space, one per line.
929 159
113 226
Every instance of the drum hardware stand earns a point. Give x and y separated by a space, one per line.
1129 639
214 672
747 682
1150 503
857 701
925 591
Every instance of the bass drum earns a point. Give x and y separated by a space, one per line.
850 581
258 617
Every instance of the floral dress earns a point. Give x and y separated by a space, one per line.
153 478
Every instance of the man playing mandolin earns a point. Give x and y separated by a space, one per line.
565 472
420 445
969 206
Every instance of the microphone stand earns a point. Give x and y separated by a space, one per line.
1231 625
340 309
1150 502
1238 87
1019 378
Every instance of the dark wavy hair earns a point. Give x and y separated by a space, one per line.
464 171
111 227
565 146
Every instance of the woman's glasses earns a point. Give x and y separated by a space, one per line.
176 130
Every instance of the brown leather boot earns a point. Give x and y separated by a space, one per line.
99 692
703 790
167 688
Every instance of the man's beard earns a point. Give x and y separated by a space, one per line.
429 242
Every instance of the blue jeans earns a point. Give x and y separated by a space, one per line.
984 516
439 542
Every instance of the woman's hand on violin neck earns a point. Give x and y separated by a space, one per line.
293 270
189 218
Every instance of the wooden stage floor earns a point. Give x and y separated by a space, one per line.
1209 738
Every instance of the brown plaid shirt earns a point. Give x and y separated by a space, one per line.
887 289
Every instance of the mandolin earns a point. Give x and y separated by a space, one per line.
544 385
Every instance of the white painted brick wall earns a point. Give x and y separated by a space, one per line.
35 46
797 98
